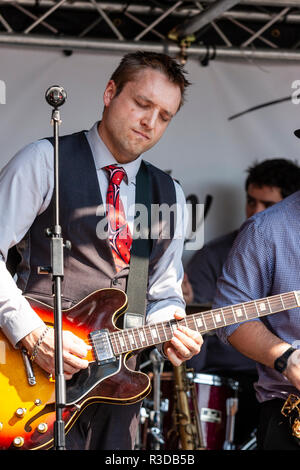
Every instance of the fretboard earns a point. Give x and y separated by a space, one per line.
133 339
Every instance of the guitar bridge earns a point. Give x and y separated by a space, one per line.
102 347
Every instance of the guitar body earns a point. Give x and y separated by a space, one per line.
27 412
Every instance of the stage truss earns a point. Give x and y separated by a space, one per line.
206 30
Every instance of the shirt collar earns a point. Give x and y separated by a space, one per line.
103 156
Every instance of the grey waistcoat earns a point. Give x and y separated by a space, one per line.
89 264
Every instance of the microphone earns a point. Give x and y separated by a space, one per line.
55 96
297 133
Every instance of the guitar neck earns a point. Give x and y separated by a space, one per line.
127 340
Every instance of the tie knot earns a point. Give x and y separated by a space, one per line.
116 173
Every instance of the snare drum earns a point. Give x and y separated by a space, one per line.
212 391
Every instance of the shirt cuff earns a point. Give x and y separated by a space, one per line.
17 318
20 322
225 332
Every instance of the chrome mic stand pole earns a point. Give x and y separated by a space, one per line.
55 96
156 429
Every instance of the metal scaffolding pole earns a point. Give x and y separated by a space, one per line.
146 10
139 9
121 47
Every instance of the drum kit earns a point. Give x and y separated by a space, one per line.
188 410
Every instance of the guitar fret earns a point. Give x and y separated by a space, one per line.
264 308
224 319
281 300
227 313
240 314
194 321
164 331
270 310
153 333
137 338
219 317
121 341
147 335
276 303
173 327
158 333
204 322
131 338
290 301
190 322
249 310
257 312
142 334
115 344
232 309
245 312
168 331
209 321
223 315
126 340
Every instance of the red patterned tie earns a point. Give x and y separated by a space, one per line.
118 231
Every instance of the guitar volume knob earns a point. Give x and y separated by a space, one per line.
20 412
42 428
18 441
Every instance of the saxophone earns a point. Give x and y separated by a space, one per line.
187 422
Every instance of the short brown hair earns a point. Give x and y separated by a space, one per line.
133 63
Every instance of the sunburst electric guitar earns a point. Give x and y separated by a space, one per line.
27 404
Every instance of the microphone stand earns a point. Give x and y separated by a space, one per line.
55 96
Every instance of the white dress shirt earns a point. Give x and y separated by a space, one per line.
26 188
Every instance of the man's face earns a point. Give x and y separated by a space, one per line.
136 119
260 198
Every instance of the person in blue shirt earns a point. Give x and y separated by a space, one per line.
264 261
267 183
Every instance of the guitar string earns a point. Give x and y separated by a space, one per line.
207 316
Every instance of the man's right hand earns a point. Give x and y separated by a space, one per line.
74 351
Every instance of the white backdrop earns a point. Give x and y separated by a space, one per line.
205 151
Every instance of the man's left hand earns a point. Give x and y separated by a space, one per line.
185 343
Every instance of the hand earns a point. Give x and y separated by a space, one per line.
74 351
185 343
187 290
292 371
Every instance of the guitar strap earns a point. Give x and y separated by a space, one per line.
137 282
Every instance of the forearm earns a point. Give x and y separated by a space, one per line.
255 341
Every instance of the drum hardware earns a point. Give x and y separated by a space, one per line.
231 411
150 432
251 444
212 393
212 406
155 431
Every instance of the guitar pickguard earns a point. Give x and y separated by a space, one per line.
87 379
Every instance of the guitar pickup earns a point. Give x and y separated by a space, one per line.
102 347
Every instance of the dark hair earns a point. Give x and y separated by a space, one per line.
133 63
279 172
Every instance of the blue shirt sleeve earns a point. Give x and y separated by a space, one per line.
247 273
